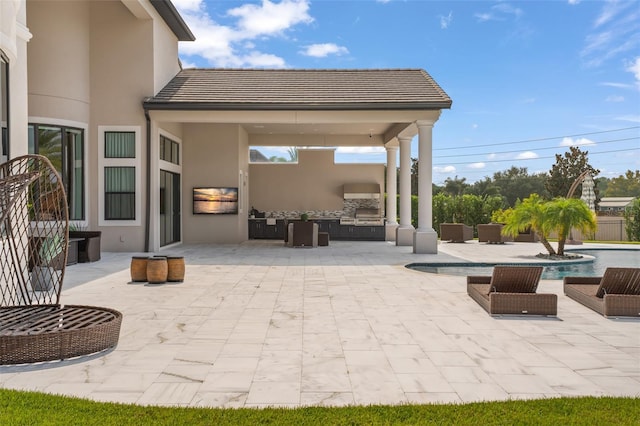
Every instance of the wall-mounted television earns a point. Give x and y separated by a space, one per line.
215 200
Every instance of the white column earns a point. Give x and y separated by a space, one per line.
404 233
425 239
392 193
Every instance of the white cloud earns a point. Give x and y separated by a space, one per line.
360 150
615 98
270 18
474 126
617 85
233 45
634 67
609 11
477 166
576 142
529 101
615 33
527 155
499 12
483 17
188 5
445 169
263 60
574 2
491 156
325 49
187 64
445 21
507 9
632 118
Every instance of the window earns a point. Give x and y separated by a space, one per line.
64 147
169 150
119 193
119 178
4 107
119 145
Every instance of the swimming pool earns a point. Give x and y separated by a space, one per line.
592 266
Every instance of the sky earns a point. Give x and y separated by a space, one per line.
528 79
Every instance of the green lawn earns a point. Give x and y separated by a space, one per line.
29 408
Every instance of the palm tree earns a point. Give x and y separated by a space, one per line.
562 214
293 154
530 213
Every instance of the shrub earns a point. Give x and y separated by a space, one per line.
632 220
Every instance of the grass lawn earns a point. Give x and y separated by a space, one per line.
29 408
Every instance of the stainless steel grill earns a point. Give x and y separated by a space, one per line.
368 217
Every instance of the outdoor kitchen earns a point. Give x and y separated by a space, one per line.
360 219
345 200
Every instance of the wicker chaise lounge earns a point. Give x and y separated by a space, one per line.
512 290
34 226
616 293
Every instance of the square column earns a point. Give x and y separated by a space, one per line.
425 239
404 233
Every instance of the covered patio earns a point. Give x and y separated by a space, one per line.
216 115
257 324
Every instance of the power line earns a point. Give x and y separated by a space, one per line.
529 159
537 149
539 139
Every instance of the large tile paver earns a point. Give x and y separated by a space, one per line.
258 324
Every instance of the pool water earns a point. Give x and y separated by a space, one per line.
603 258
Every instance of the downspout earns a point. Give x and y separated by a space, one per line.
147 218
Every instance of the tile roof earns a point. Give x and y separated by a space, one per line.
310 89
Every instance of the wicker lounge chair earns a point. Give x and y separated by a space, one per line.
616 293
491 233
34 224
455 232
512 290
527 236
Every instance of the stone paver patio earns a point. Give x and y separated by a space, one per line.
259 324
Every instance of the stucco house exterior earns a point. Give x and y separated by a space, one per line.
135 136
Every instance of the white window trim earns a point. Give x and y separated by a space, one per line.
120 162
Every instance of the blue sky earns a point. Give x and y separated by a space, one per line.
527 78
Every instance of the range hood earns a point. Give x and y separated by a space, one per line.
354 191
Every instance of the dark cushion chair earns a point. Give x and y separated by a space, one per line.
302 234
89 246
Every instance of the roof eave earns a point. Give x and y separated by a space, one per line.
172 17
210 106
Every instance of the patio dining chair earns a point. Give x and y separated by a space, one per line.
302 234
512 290
616 293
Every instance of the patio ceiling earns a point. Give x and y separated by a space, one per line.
312 128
